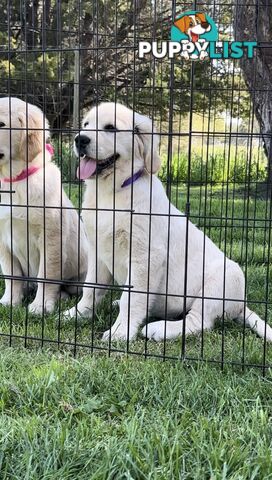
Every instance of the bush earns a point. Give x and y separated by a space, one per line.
214 167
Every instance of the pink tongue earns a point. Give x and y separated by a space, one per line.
86 168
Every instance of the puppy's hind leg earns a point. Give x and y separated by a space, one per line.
256 324
170 329
201 316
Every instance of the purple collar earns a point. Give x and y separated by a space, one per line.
132 179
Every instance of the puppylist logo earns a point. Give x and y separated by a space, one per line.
194 36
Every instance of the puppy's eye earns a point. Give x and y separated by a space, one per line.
109 126
86 124
2 124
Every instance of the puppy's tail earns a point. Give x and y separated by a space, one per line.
257 324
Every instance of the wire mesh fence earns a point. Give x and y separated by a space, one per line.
144 270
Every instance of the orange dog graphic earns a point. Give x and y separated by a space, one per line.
193 25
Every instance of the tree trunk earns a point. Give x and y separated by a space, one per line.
253 21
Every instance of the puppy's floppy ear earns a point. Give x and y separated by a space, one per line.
149 140
33 125
204 22
201 17
183 23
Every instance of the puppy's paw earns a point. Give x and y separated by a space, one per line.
38 308
77 311
114 335
155 331
7 302
68 314
119 332
116 303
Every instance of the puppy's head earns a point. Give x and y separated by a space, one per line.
23 131
113 138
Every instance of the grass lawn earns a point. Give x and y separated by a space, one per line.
126 418
99 418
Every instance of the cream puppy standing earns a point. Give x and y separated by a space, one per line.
34 230
118 152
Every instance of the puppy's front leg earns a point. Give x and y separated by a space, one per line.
13 288
133 306
97 273
49 268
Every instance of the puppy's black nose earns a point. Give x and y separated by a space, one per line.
204 24
82 141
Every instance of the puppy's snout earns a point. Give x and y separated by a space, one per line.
81 142
204 24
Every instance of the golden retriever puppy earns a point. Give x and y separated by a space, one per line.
40 232
140 245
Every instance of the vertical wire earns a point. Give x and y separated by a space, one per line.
80 242
187 208
255 213
27 184
114 176
247 212
10 170
234 186
268 202
132 170
96 45
44 284
77 44
226 221
60 61
214 130
60 140
168 184
153 68
205 217
246 216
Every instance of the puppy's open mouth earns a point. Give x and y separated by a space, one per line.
88 166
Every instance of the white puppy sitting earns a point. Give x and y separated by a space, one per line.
41 235
140 245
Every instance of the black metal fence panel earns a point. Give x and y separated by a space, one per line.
135 168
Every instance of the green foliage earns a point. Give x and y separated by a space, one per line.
37 60
213 166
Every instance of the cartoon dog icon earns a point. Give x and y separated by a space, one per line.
193 26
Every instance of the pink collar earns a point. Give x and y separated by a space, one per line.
30 170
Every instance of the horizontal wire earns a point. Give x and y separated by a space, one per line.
123 288
126 352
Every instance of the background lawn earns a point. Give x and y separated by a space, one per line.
126 418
